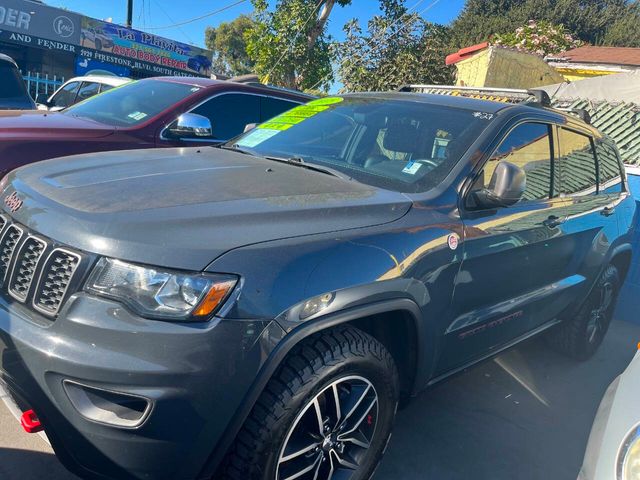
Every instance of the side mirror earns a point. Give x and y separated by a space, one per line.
42 99
506 187
250 126
191 125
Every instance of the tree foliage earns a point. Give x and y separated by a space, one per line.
397 48
289 43
230 47
602 22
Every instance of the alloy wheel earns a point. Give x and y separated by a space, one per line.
330 437
599 314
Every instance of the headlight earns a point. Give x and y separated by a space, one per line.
154 292
629 456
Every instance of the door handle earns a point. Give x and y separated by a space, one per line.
553 221
608 211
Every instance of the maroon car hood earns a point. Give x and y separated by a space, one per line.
41 125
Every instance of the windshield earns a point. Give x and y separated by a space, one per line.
11 81
133 103
401 145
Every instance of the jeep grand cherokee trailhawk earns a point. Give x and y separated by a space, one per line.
256 311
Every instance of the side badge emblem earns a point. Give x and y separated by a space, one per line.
13 202
453 240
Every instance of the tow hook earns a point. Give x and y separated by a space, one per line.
30 422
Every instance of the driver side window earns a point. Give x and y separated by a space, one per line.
529 147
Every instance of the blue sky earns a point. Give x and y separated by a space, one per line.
160 13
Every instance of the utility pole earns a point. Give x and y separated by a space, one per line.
129 13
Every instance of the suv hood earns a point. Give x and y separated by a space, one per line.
182 208
38 124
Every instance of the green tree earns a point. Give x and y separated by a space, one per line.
602 22
397 48
230 47
289 43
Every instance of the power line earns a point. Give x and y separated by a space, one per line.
166 14
402 18
210 14
295 37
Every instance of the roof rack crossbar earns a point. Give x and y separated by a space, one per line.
540 96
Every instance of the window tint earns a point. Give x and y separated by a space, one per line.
230 113
88 89
66 96
105 88
270 107
529 147
11 81
610 179
576 165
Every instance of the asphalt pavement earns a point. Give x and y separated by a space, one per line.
524 415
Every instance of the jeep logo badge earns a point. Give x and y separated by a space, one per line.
63 26
13 202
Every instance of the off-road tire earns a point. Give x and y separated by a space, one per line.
575 337
316 363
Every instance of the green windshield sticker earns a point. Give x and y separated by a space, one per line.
285 121
256 137
326 101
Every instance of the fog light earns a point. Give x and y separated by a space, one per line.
104 406
315 305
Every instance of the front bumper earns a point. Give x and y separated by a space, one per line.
195 375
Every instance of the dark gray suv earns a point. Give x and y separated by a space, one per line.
257 311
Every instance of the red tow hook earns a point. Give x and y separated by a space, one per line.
30 422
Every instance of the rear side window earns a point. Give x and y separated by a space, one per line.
529 147
66 96
610 175
230 113
11 81
576 164
271 107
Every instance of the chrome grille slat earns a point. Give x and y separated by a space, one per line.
24 268
34 270
10 238
55 277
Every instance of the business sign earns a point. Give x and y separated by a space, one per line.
30 20
150 52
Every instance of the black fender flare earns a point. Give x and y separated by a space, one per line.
296 336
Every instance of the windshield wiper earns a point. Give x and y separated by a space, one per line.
236 148
300 162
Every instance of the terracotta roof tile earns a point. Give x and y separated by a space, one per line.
611 55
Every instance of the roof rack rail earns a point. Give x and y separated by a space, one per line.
511 95
254 81
581 113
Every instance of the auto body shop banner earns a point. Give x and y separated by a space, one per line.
36 25
40 26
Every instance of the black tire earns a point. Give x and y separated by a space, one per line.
98 44
581 336
299 398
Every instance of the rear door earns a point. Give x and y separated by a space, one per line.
591 223
515 258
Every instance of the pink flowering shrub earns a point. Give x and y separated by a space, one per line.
541 38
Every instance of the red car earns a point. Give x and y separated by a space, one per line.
155 112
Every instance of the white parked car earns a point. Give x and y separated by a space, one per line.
613 451
78 89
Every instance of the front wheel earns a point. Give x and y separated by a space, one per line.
326 414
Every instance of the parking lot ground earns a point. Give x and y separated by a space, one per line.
524 415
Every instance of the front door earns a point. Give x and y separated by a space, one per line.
514 263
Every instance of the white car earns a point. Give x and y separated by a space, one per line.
613 451
78 89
